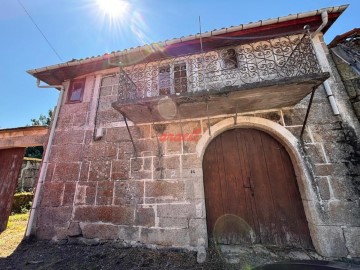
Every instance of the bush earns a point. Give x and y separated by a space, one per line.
22 202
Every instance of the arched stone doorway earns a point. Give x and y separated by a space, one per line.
251 191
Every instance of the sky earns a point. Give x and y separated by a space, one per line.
82 28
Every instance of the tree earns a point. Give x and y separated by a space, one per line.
43 120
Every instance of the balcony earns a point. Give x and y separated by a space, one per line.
255 76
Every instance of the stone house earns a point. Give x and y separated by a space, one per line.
241 135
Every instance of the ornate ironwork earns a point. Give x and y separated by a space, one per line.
282 57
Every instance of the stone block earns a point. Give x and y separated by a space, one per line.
324 187
69 194
52 194
100 151
328 241
343 212
176 211
104 193
315 153
167 162
99 171
338 152
173 146
106 91
192 173
149 147
147 165
69 137
274 116
64 121
66 172
119 215
162 237
165 191
54 216
50 172
123 215
69 109
145 216
323 169
101 231
105 102
296 131
84 171
352 236
129 233
173 222
120 169
89 135
294 117
74 229
116 134
213 121
44 232
137 164
169 174
191 161
343 188
80 119
189 147
197 230
128 192
108 116
331 132
113 80
141 175
61 153
125 150
93 214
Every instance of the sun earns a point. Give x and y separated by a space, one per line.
113 8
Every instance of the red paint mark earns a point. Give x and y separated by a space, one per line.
192 137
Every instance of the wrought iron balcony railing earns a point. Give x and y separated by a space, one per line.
274 59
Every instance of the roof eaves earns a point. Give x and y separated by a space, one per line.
214 32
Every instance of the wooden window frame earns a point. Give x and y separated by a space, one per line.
71 89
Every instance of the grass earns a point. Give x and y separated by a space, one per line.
13 235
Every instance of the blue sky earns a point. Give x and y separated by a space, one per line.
79 29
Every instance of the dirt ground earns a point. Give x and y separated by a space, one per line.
49 255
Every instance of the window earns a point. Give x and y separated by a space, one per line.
172 73
164 80
230 59
180 78
76 91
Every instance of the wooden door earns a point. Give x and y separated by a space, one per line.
10 165
251 192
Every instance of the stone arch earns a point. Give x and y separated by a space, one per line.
293 147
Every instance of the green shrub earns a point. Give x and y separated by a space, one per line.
22 202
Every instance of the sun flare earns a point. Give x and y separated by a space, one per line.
113 8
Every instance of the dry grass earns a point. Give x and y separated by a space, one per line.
14 233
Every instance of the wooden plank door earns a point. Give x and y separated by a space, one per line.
251 192
10 165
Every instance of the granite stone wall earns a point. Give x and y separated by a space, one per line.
101 186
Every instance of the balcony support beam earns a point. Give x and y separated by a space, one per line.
307 113
131 138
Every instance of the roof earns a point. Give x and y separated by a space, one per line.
235 35
23 136
341 38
